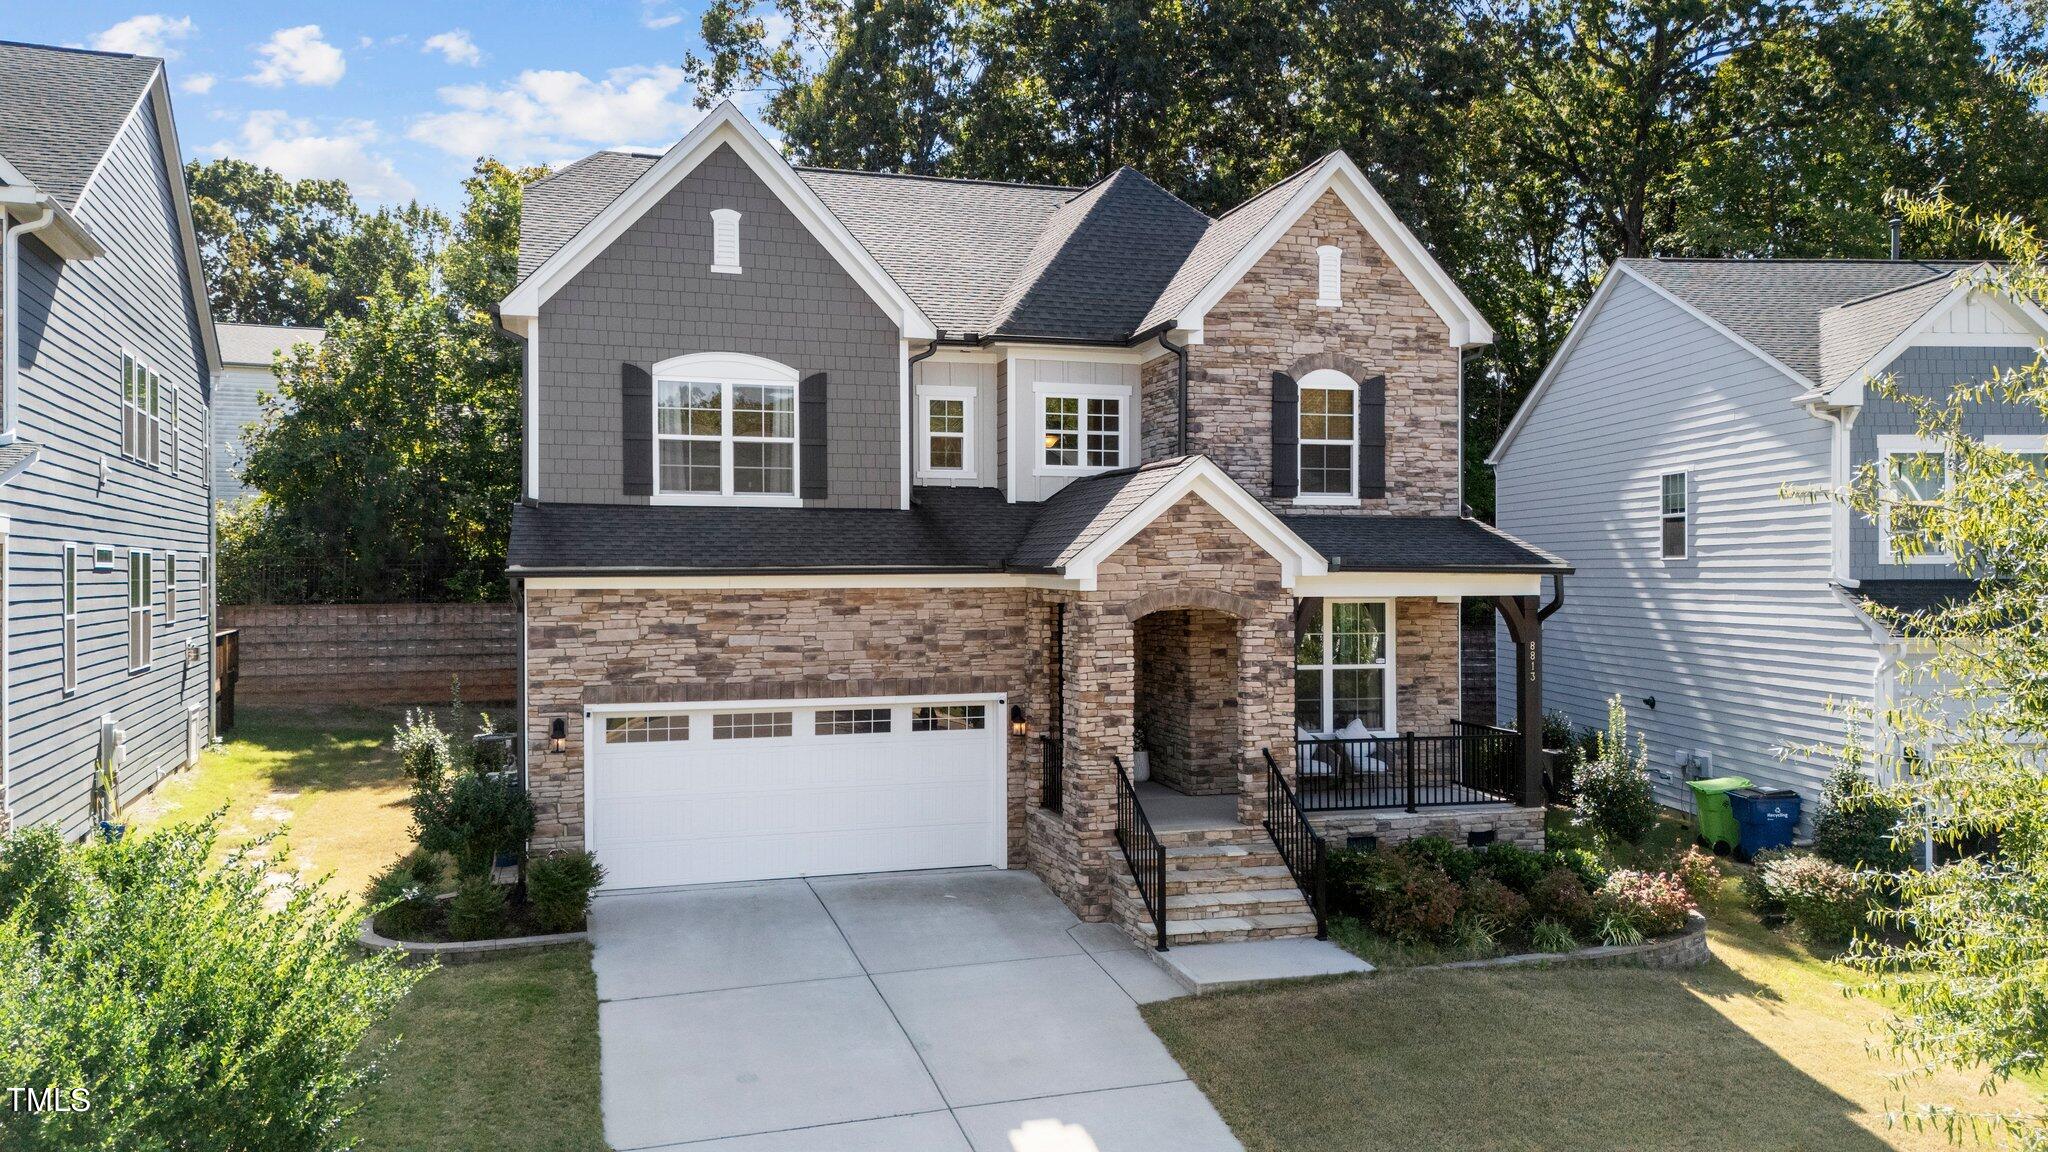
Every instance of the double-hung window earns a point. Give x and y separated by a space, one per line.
70 619
141 597
946 449
1083 430
170 587
1343 668
1674 514
725 427
1329 437
141 396
1914 473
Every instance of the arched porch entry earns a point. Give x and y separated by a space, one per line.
1187 656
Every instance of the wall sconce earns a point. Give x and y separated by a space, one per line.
1017 725
558 735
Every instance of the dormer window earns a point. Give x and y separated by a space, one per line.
1329 276
725 241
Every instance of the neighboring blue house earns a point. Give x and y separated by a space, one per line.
109 357
1656 451
248 353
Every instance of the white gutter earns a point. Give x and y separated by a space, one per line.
10 386
1839 454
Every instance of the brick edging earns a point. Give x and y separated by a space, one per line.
1687 949
463 951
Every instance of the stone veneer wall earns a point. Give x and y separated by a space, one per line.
1185 691
375 653
610 646
1269 322
1512 825
1426 640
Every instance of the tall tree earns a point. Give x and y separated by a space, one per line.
268 244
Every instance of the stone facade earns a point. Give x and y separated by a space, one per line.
1509 824
1270 322
1186 694
1426 644
612 645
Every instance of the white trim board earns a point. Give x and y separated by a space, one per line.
725 125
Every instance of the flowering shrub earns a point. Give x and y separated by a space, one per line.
1411 900
1614 796
1504 911
1560 897
1654 903
1698 872
1825 900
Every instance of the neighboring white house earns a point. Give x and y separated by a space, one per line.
1655 451
247 353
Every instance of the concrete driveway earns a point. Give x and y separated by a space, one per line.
954 1011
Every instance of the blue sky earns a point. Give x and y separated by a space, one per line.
399 99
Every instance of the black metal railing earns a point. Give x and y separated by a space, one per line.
1474 766
1301 847
1052 785
1142 851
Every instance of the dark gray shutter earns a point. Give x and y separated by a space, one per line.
1372 438
636 428
813 435
1286 436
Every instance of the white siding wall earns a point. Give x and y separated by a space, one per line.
980 376
1024 412
1742 645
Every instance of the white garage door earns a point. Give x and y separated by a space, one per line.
708 794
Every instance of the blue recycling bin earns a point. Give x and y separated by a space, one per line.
1766 816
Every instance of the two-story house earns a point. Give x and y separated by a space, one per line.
248 355
1665 449
105 537
876 522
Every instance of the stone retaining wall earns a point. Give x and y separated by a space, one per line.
375 653
1511 825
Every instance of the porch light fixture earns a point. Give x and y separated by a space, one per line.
558 735
1017 725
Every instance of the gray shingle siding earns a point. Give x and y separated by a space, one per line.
76 321
651 295
1932 373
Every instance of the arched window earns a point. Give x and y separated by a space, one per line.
1329 436
1329 276
725 425
725 240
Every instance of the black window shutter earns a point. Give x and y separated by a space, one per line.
1372 438
813 435
636 429
1286 436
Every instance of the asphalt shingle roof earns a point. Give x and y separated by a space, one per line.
60 109
1916 598
259 344
959 529
1778 305
1100 264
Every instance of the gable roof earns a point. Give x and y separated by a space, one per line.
1113 263
64 108
257 345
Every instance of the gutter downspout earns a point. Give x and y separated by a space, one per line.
1180 402
1839 450
910 364
11 386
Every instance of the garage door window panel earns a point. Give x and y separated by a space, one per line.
646 729
752 725
852 721
948 717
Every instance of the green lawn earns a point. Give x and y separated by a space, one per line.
1761 1049
500 1055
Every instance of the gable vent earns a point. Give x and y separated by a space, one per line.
1329 276
725 240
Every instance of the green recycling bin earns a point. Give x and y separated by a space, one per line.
1718 829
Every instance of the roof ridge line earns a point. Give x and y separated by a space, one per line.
78 50
946 179
1937 276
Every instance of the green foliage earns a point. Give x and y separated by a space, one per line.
1459 863
1513 865
1857 821
473 818
1699 873
1619 930
198 1005
478 911
1503 911
1613 789
1585 863
1558 733
402 900
1551 936
1756 891
1560 897
1410 899
1966 965
559 886
269 245
423 748
1826 901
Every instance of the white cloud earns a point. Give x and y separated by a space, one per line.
455 46
297 149
652 15
198 84
551 115
298 56
152 34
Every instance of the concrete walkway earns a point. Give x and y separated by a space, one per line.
955 1011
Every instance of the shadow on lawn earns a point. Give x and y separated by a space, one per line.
330 747
1582 1059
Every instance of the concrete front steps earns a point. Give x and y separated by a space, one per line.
1222 885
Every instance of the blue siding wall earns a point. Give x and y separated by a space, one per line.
77 318
1932 373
